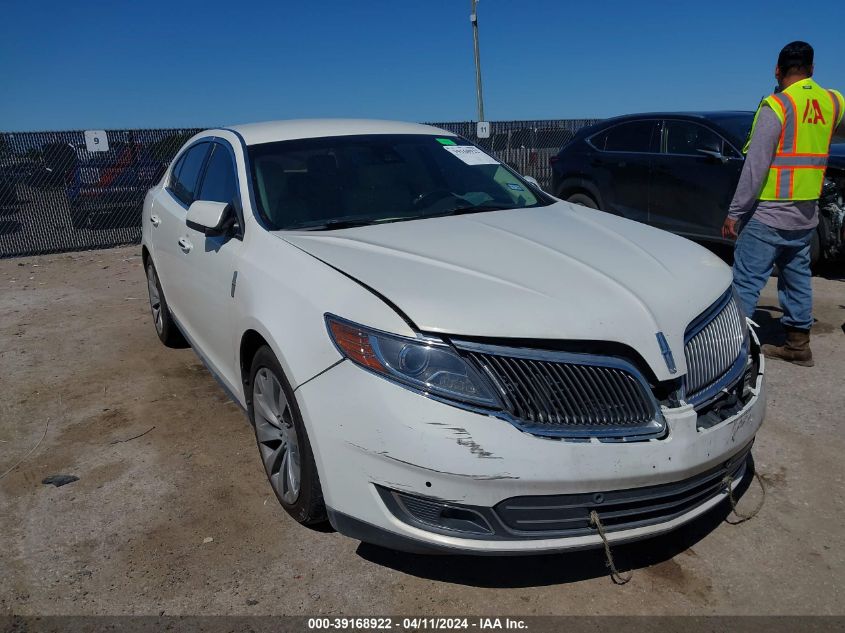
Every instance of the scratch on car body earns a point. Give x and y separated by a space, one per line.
465 439
493 477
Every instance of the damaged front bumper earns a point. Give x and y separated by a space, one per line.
414 474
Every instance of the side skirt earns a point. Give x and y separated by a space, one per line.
215 374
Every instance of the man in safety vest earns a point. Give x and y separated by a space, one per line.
775 207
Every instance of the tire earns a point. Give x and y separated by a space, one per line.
820 245
584 200
282 440
166 329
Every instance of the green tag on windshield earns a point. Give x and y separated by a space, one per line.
446 141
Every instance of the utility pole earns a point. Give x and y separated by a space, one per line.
473 17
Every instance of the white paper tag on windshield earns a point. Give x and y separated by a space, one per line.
471 155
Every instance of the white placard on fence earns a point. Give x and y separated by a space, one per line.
482 130
96 141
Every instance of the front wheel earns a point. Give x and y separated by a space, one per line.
282 441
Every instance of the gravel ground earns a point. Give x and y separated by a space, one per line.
180 519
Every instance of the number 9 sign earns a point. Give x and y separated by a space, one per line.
96 141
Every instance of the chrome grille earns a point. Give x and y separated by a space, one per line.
562 395
713 345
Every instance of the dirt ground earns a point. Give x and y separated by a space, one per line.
180 519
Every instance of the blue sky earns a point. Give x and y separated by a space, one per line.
149 63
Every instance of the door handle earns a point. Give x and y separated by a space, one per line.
155 220
185 244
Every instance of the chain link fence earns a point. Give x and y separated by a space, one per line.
56 195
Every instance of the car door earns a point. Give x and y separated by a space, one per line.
693 180
211 264
621 166
167 220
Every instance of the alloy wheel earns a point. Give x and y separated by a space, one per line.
155 299
276 435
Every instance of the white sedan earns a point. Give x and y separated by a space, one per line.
436 355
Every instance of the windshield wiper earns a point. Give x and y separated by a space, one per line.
330 225
474 208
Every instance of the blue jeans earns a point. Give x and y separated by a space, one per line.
759 247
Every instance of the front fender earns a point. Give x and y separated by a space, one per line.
284 293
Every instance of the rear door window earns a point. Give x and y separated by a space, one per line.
186 173
634 136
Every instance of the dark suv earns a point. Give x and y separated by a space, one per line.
675 171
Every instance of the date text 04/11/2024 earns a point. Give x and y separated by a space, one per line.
416 623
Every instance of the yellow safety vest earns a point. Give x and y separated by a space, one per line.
808 114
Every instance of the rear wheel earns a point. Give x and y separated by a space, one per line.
166 328
583 199
282 441
820 246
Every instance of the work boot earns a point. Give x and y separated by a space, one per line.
796 350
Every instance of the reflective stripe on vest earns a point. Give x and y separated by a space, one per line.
784 183
809 115
790 129
800 160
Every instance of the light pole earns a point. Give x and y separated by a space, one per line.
473 17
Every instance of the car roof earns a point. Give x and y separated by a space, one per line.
713 115
293 129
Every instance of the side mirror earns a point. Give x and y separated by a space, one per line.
713 154
210 218
533 181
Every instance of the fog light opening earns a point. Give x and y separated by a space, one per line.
436 515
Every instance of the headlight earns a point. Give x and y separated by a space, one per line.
429 366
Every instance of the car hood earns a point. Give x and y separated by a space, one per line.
555 272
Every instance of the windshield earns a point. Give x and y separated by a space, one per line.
332 182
